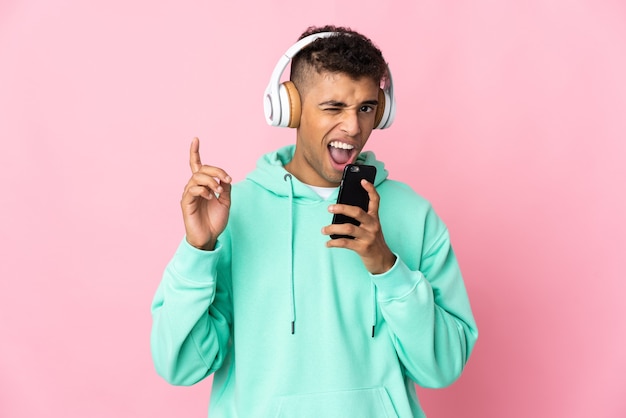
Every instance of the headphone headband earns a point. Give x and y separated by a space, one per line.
281 102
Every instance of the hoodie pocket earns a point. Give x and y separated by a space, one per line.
362 403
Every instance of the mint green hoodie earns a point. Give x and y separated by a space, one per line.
291 328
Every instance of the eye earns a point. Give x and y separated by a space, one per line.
366 109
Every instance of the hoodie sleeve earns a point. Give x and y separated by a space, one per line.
428 311
191 314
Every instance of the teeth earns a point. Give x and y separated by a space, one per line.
342 145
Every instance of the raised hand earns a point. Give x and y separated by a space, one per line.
368 240
205 202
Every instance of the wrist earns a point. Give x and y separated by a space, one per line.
386 264
208 246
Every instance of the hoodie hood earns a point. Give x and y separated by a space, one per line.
270 174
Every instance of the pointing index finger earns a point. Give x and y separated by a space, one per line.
194 156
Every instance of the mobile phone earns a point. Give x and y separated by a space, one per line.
351 192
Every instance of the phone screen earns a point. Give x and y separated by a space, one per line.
351 192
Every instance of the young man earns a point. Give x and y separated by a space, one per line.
292 323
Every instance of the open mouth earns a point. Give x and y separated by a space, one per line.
341 153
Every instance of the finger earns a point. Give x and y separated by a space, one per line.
347 243
374 197
225 193
194 156
193 192
348 210
209 181
216 173
347 229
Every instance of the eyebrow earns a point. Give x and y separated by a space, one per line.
335 103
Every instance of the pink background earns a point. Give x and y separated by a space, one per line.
511 120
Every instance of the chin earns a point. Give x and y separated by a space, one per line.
335 178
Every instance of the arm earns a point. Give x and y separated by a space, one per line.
192 313
192 306
426 308
429 315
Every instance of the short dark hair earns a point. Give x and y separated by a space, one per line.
347 52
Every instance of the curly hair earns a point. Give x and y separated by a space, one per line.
346 52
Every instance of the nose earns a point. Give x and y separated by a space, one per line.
350 123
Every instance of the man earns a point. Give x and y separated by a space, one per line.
292 323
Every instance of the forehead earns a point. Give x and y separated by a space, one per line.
340 86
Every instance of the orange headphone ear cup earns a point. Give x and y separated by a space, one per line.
295 106
380 109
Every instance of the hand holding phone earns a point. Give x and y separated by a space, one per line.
351 192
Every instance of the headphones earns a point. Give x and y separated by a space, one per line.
282 101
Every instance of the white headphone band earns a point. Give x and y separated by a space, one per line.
277 112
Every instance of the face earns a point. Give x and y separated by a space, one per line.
337 119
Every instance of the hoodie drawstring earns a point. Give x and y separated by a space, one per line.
289 179
374 314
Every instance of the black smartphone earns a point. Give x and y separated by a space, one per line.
351 192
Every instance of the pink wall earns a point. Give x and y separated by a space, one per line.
511 120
